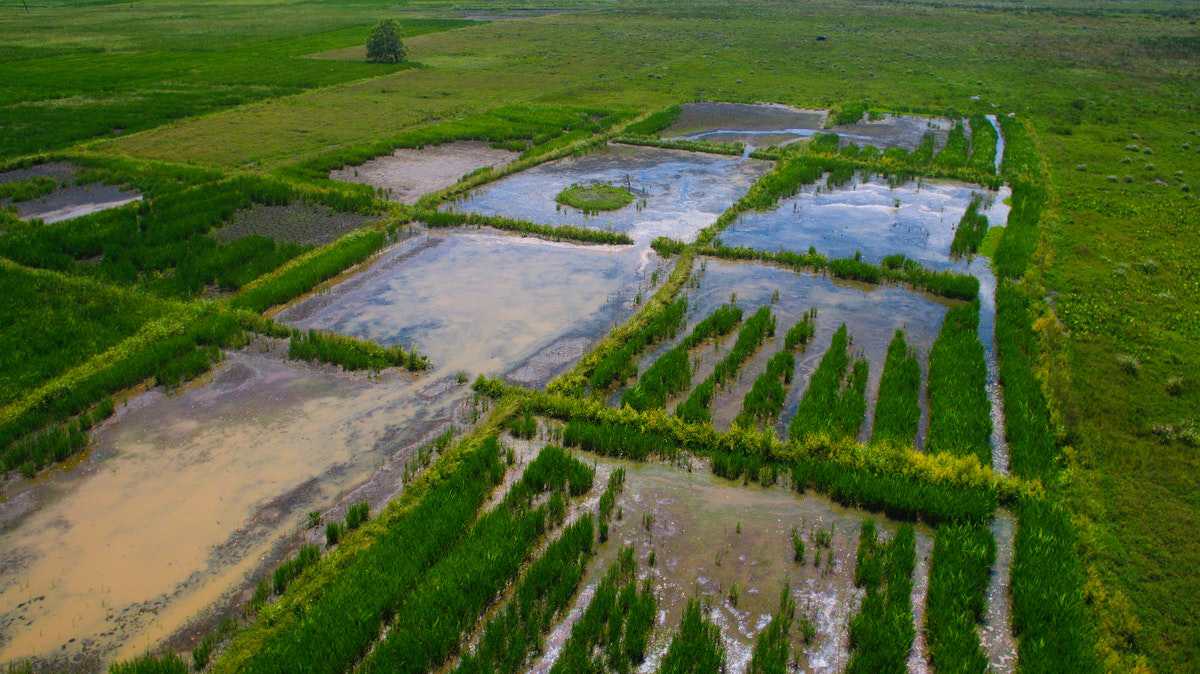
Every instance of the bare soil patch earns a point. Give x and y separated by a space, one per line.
407 173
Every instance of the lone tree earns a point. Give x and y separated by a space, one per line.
384 45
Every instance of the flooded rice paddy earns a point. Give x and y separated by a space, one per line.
678 193
917 218
709 534
902 131
872 314
407 173
754 125
182 498
488 303
70 199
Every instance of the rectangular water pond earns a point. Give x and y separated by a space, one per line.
872 315
755 125
709 534
488 303
902 131
677 193
184 499
917 218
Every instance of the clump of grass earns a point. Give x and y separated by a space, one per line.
764 401
772 647
954 153
167 663
291 569
757 329
696 646
433 218
351 353
17 191
882 631
960 420
57 443
797 547
983 145
616 439
958 580
614 630
522 425
801 333
971 231
898 412
595 197
835 402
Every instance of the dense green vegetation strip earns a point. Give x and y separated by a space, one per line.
696 647
671 373
898 410
766 397
614 629
432 618
434 218
351 353
758 329
773 646
983 145
732 149
331 631
971 230
1032 451
834 404
882 631
957 599
960 419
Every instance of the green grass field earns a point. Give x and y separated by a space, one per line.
1110 91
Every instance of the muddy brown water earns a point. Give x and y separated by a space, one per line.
872 314
757 125
707 534
679 193
407 173
183 498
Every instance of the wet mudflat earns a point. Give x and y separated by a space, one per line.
872 314
709 534
902 131
755 125
69 200
185 498
407 173
917 218
485 303
677 193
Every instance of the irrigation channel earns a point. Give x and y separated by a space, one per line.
187 498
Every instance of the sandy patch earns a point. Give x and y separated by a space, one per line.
406 174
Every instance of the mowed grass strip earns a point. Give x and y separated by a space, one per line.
960 415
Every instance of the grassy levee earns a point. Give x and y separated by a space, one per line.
432 617
960 420
178 346
957 599
834 403
351 353
437 219
671 373
895 479
898 409
613 359
971 230
307 271
731 149
882 631
757 329
543 594
614 629
696 647
983 145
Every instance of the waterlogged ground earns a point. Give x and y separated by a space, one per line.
297 222
485 303
70 200
917 218
184 498
707 535
872 314
678 193
903 131
755 125
407 173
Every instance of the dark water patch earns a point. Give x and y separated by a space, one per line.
297 222
903 131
